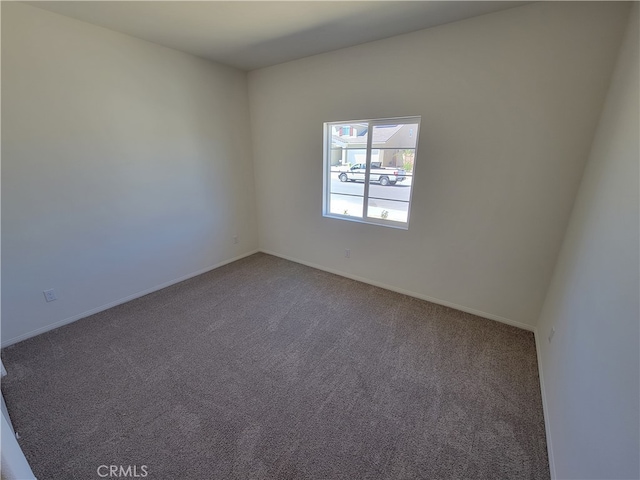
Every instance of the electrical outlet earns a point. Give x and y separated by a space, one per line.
235 239
50 295
347 253
551 334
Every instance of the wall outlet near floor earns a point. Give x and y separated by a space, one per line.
50 295
347 253
551 334
235 239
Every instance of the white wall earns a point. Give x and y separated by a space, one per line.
591 367
125 165
509 103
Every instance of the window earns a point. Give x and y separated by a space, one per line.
369 178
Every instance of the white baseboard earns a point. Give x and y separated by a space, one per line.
545 409
120 301
409 293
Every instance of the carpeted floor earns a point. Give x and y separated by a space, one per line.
265 368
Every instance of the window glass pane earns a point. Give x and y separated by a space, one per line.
388 209
346 190
401 135
392 176
348 156
350 134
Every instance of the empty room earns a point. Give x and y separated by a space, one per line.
320 240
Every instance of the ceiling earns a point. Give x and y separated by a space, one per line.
254 34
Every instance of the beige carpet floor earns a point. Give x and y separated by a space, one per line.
265 368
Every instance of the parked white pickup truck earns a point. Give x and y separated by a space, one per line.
385 176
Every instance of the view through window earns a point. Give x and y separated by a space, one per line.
369 169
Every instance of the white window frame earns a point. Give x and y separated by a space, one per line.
326 171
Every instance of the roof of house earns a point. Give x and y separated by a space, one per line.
381 134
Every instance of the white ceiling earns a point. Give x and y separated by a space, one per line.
254 34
